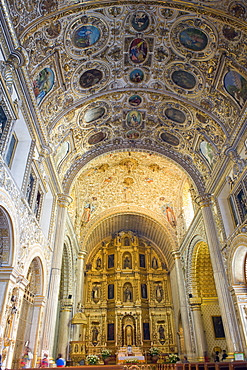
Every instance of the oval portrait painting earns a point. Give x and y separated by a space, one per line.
85 36
93 114
175 115
184 79
193 39
97 138
136 75
138 51
169 138
90 78
140 21
135 100
43 83
134 119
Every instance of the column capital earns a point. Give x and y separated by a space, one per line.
176 254
204 200
195 303
82 254
64 200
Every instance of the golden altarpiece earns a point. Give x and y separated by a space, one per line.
127 300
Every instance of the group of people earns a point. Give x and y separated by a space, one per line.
27 357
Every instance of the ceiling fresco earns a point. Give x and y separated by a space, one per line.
108 78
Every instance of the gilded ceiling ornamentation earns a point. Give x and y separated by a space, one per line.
86 33
194 36
184 79
90 75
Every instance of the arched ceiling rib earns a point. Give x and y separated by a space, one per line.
142 225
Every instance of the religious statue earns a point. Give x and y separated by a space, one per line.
154 263
129 338
159 293
127 262
98 263
161 332
127 295
95 292
95 334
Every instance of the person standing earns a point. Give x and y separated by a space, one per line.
60 361
45 361
224 355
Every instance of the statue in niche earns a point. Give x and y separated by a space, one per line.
95 334
98 263
129 335
159 293
154 263
127 295
161 332
127 262
95 293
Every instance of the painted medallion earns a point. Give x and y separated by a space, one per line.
184 79
85 36
90 78
93 114
136 75
175 115
236 86
97 138
133 135
207 151
193 39
138 51
134 119
43 84
140 21
169 138
135 100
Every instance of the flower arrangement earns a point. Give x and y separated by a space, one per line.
132 361
172 358
154 351
105 353
92 359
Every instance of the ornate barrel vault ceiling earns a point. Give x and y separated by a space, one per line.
133 99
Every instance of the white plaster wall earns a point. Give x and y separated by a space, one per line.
21 154
46 212
225 210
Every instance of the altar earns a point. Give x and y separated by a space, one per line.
122 359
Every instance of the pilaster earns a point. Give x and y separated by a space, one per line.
183 304
53 290
225 301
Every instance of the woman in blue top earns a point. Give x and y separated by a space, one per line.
60 362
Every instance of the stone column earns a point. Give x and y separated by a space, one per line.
64 326
201 346
80 278
225 301
39 303
183 304
54 284
79 300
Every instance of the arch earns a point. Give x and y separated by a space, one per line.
141 223
184 162
66 283
6 238
202 276
237 260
